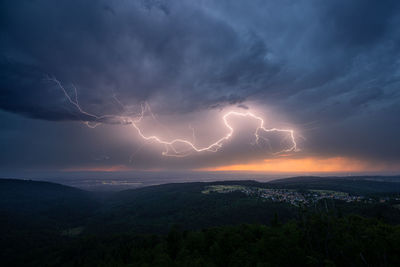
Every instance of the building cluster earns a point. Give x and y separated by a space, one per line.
293 197
297 198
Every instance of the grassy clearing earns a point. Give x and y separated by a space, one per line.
223 189
72 231
330 192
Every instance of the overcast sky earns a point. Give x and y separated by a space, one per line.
329 70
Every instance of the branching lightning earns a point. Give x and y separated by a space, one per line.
171 149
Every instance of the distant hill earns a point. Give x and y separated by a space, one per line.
36 215
351 184
37 218
44 201
158 208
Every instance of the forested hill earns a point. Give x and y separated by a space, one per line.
44 223
155 209
352 184
15 188
43 206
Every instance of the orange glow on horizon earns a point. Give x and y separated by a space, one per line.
275 165
309 164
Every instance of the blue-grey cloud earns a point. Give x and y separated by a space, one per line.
333 63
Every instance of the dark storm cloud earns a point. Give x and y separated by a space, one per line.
140 49
333 63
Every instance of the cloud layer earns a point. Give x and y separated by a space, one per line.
329 68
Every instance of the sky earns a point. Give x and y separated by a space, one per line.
107 86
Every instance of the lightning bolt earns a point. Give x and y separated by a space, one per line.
93 121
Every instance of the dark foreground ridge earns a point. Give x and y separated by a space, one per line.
302 220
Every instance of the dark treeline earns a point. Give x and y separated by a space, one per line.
315 240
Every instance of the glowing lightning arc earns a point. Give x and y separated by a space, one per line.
170 145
